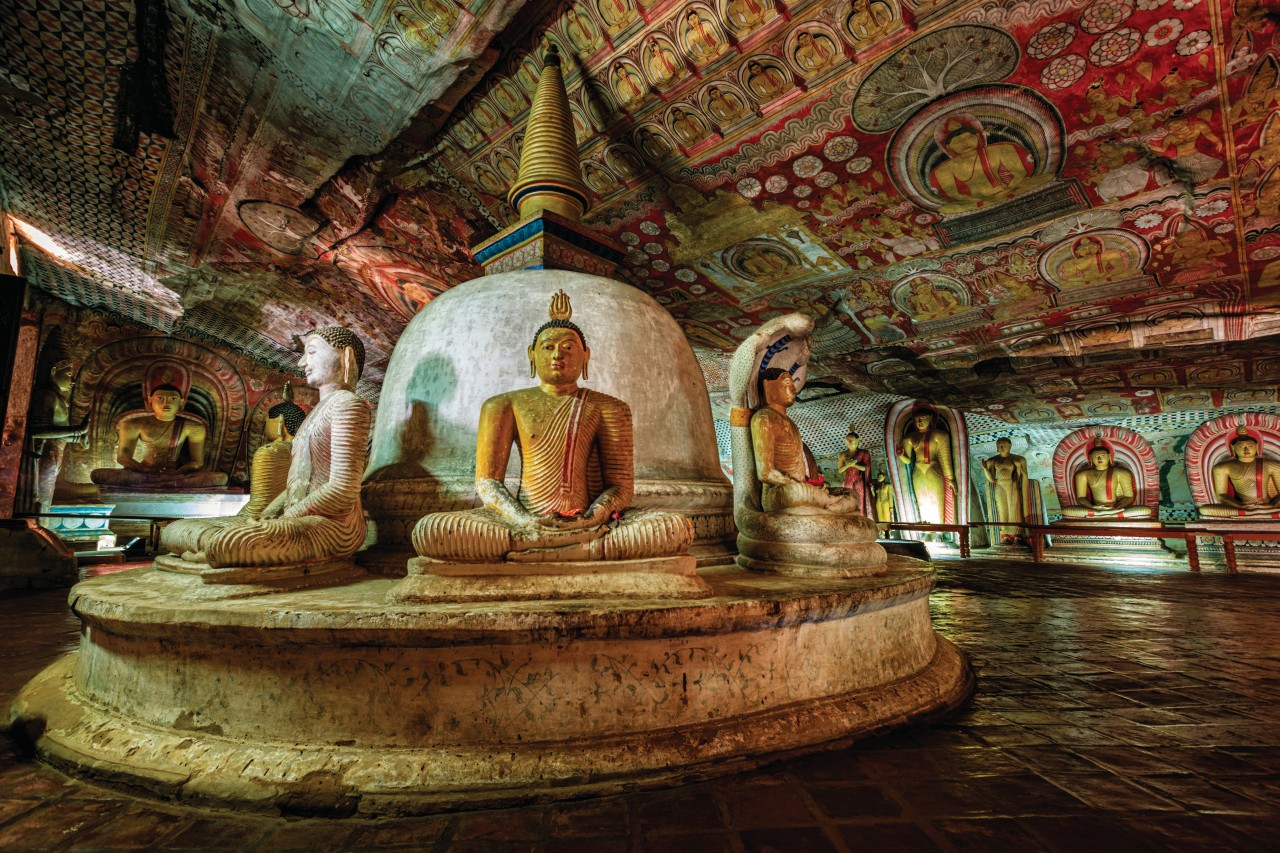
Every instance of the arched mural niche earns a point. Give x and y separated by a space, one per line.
929 465
1128 449
1210 444
109 384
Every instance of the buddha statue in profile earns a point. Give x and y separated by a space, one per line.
49 430
161 448
789 480
1104 489
788 521
1247 485
318 518
269 471
576 478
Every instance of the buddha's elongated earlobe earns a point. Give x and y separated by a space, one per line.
586 362
533 370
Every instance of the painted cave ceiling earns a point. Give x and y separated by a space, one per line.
1044 210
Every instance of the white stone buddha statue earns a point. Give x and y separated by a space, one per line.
318 517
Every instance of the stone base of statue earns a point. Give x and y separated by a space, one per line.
1115 551
33 558
817 546
1252 555
261 580
335 701
656 579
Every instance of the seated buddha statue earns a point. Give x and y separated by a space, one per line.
161 448
1246 485
269 471
576 478
1104 489
788 479
318 517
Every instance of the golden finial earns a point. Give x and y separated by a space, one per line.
560 307
550 176
1242 429
1097 442
287 393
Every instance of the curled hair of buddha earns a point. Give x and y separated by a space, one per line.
290 413
340 338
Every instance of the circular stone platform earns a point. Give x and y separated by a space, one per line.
333 701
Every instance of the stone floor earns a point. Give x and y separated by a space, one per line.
1116 710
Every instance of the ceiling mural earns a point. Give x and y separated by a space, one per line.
1044 210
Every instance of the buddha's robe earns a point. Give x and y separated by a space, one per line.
779 447
317 517
1254 484
1008 493
268 475
932 475
581 454
1104 490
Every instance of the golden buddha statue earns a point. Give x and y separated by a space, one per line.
269 472
48 432
317 519
789 480
161 448
1007 480
1247 485
576 478
927 449
1104 489
885 506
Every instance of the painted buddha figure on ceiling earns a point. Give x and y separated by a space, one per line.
576 472
978 173
161 448
1104 489
317 518
1247 485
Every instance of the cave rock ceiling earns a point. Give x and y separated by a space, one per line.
1033 208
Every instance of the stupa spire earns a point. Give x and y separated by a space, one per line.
550 176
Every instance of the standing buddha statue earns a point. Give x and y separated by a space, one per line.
927 450
1007 484
855 463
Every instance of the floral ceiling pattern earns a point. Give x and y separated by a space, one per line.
1045 210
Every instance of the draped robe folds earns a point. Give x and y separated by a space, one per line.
580 456
317 517
932 475
1008 494
1253 484
1105 489
269 475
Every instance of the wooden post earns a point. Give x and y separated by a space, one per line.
19 350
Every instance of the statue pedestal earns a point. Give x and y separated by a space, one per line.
336 701
241 581
1256 555
130 503
83 525
655 579
1111 550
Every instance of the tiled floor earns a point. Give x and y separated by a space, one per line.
1116 710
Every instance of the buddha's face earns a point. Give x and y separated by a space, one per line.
321 363
1003 447
274 429
755 67
805 39
165 404
963 142
559 356
1100 459
852 442
922 422
1245 449
781 390
1085 249
62 375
